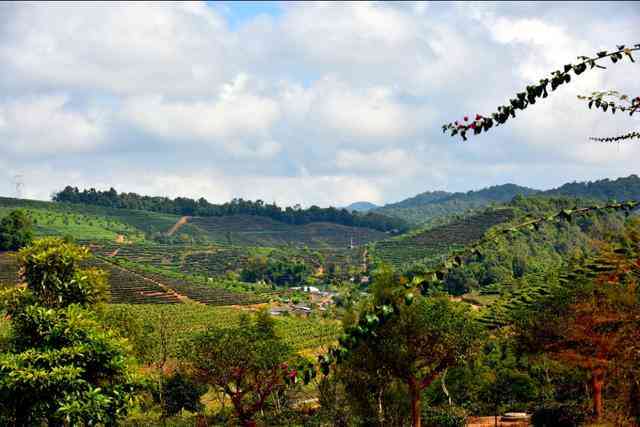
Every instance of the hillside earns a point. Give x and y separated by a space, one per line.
626 188
431 206
430 245
189 207
99 223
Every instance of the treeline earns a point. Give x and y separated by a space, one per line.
201 207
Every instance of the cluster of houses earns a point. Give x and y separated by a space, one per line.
318 300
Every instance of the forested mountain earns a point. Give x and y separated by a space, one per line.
620 189
425 207
201 207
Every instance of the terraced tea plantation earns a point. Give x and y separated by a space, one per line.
250 230
434 243
129 221
8 269
130 288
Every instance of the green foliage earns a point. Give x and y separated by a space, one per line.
60 364
16 231
276 271
180 392
244 363
201 207
51 269
430 208
447 416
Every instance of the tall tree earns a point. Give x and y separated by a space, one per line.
427 336
247 363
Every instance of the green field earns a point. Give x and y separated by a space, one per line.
303 334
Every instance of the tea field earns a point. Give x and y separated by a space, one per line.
430 245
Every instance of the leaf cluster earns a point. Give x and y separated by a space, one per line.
620 101
533 93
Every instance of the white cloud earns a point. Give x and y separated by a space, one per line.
324 103
229 120
386 161
46 125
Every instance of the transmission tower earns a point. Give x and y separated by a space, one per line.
19 183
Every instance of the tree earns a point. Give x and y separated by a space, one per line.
15 231
61 365
592 320
427 336
246 364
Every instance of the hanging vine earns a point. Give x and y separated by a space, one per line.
533 93
618 101
620 138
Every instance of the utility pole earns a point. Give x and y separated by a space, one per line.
19 183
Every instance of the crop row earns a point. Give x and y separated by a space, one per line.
8 269
436 242
131 288
260 231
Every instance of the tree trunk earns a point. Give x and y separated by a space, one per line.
597 382
416 415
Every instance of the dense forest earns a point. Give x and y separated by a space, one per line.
201 207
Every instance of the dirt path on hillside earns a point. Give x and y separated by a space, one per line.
182 221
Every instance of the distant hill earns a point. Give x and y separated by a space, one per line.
361 207
433 206
202 208
425 207
620 189
88 222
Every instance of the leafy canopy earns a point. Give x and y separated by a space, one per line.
15 231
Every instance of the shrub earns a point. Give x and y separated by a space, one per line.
181 392
446 416
554 414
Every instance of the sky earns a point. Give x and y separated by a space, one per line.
310 103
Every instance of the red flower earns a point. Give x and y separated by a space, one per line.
466 118
293 373
478 116
473 126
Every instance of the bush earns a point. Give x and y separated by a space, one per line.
446 416
554 414
181 392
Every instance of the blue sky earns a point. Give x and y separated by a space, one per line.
238 12
314 103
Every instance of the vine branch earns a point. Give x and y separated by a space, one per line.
534 92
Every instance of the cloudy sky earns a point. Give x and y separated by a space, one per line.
310 103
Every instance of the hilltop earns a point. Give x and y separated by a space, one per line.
431 206
361 207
